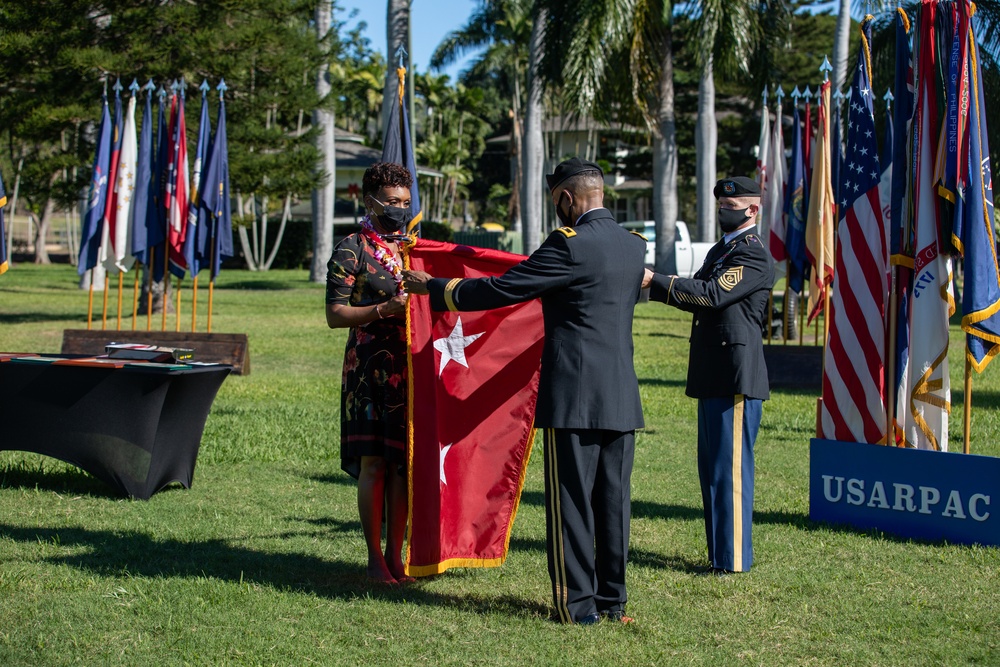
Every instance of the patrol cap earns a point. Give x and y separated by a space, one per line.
570 167
739 186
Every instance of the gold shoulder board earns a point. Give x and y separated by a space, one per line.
632 231
568 232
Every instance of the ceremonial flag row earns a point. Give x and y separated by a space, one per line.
878 230
139 207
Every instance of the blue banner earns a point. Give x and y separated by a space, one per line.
915 493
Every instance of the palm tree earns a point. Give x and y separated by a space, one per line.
323 197
841 45
733 37
501 29
534 150
614 61
397 36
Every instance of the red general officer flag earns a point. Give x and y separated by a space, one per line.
473 385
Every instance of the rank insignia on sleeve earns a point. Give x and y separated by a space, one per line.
568 232
731 278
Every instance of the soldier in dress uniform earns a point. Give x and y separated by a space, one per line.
587 274
726 372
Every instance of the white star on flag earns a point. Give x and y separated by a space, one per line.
453 347
444 453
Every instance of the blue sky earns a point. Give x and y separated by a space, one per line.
431 20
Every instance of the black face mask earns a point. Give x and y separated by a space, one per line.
393 218
732 219
563 217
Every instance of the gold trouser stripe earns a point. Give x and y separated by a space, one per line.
560 594
738 483
449 296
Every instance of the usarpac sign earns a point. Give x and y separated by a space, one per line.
907 492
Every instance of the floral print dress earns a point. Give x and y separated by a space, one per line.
373 384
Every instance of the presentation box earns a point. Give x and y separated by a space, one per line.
912 493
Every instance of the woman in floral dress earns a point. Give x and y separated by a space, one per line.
364 292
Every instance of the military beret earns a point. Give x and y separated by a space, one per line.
570 167
740 186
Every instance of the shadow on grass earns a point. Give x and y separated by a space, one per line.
662 382
65 482
111 554
26 318
660 334
339 478
268 285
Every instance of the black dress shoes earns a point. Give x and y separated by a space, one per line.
590 619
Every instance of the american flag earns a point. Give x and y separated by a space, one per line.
853 378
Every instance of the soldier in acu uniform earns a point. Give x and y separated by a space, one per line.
726 372
588 276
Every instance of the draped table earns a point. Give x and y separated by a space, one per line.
135 425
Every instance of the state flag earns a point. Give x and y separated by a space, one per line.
473 387
91 232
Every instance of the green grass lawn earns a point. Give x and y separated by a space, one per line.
261 562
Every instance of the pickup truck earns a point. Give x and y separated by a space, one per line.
690 256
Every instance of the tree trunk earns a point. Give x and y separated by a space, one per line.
841 45
705 146
515 194
397 29
42 228
323 198
533 148
665 164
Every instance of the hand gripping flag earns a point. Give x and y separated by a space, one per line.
774 201
853 374
91 232
215 218
819 224
3 236
928 396
397 147
473 385
974 229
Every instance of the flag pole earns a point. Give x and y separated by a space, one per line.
968 404
177 307
211 279
104 312
166 281
121 287
135 299
194 302
770 315
890 375
90 301
802 320
784 315
149 290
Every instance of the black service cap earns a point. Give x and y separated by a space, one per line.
740 186
570 167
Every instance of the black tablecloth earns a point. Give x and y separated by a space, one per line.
136 426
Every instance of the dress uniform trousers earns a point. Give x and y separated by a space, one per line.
727 429
587 493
